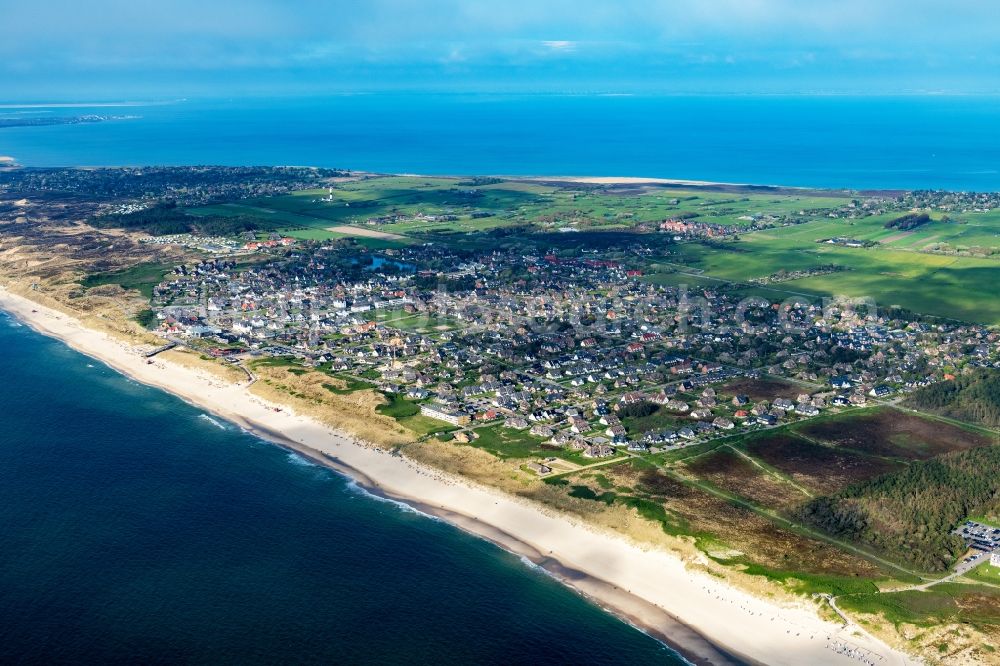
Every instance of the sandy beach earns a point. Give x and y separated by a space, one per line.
629 180
707 620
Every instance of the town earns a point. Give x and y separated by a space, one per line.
578 352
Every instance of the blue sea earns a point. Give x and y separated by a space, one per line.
913 142
136 529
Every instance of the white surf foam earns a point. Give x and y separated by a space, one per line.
217 424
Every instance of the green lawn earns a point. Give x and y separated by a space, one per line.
425 425
945 286
661 419
510 443
141 277
507 442
985 573
398 407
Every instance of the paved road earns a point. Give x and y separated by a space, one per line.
961 569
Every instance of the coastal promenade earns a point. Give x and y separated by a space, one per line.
706 619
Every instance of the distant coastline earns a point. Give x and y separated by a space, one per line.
829 142
49 121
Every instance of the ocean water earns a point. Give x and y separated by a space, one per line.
136 529
835 141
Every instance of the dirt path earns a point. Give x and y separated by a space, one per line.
771 473
367 233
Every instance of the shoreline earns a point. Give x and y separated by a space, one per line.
704 619
666 183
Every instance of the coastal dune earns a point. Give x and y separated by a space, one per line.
703 617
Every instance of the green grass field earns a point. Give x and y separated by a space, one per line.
947 286
945 603
142 277
506 443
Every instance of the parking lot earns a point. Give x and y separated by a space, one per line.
982 539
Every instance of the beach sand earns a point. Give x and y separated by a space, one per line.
706 619
625 180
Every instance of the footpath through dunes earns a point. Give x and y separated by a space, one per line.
769 632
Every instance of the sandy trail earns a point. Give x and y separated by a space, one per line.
367 233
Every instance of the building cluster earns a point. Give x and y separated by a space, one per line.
188 185
577 352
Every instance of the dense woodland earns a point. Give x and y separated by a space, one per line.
908 221
167 218
637 409
974 397
909 515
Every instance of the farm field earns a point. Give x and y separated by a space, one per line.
891 274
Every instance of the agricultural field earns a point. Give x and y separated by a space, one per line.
891 273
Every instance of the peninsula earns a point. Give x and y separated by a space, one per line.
704 406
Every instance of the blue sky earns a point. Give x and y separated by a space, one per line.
115 49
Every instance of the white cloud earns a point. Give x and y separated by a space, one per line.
642 39
562 45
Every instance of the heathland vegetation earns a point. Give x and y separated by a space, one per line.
910 514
